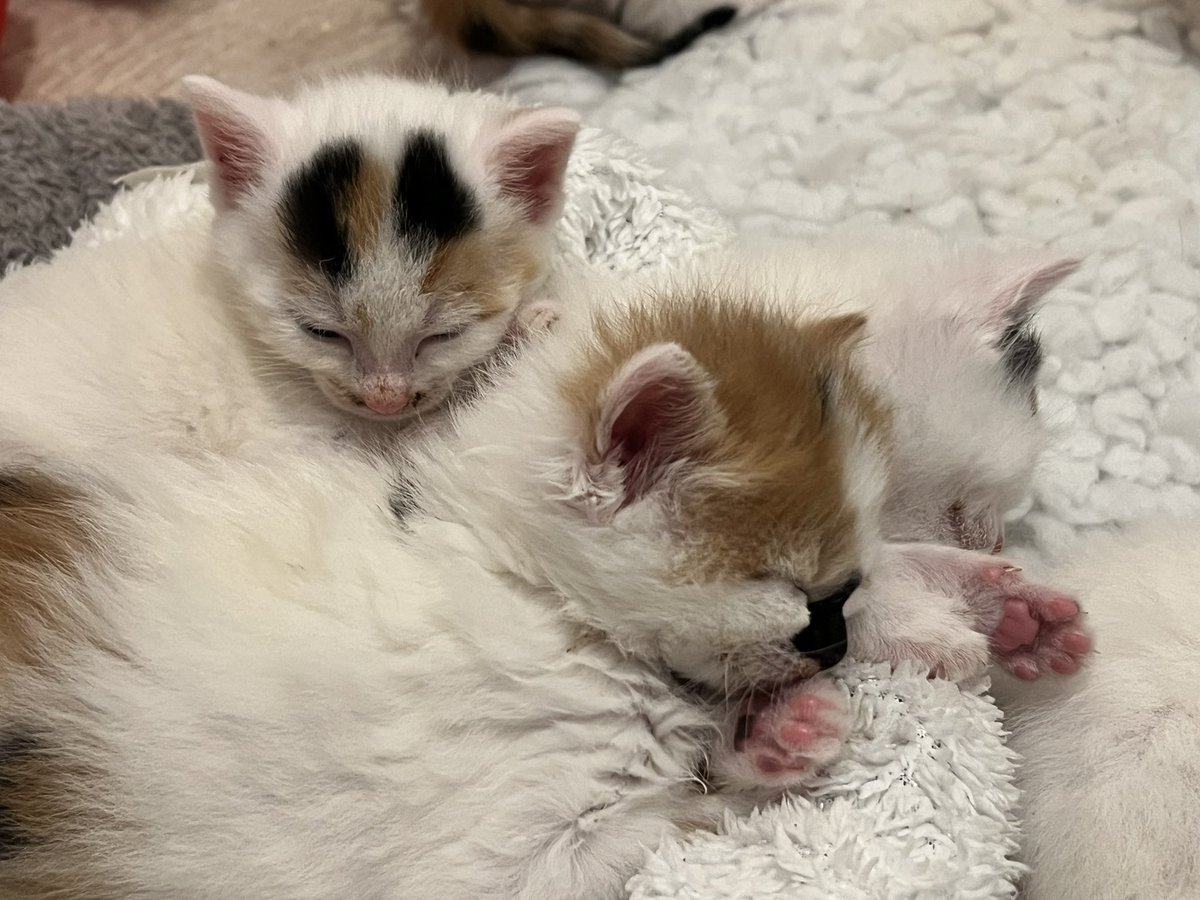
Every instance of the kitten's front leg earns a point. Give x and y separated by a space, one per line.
958 610
778 740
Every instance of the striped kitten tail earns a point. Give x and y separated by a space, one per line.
508 28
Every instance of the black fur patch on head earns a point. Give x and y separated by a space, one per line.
15 748
432 204
1022 351
313 214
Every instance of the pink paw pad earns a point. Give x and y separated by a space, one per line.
1040 629
794 732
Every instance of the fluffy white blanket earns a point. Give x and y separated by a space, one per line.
1046 121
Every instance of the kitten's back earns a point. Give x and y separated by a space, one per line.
1110 778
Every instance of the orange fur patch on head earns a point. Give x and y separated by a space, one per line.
773 496
488 269
362 317
365 206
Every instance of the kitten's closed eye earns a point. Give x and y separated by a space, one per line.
441 337
322 334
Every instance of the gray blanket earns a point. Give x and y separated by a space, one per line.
58 162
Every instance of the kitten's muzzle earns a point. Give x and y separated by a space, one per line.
824 640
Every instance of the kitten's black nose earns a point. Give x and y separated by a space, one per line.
824 640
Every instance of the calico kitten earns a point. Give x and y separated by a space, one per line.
383 234
1109 780
604 589
513 28
373 239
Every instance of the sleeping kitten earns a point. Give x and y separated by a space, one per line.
613 578
375 239
513 28
1109 778
950 346
383 233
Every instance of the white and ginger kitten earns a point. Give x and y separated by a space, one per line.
1109 777
372 240
951 347
613 581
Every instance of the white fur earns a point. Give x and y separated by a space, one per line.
1109 773
314 700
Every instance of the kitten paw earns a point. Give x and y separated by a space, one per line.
786 736
959 610
1040 630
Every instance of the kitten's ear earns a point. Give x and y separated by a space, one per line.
656 411
1016 285
237 131
528 158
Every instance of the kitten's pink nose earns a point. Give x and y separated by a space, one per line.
386 404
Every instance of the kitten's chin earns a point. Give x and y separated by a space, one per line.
370 415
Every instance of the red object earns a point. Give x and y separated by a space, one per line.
3 10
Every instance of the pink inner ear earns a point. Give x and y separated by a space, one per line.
235 130
237 150
1017 294
658 406
530 161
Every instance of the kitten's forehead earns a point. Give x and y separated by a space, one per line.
345 205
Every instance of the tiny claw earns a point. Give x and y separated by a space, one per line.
1012 570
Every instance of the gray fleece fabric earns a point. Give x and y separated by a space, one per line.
58 162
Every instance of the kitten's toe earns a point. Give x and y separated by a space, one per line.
1017 628
1021 665
795 733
